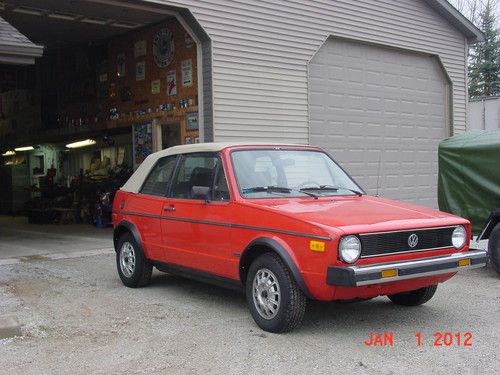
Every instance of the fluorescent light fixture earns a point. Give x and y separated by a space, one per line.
63 16
24 148
125 25
95 21
28 10
86 142
9 153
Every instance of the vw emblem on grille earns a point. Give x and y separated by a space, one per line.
412 240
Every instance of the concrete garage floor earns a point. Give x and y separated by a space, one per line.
20 239
78 318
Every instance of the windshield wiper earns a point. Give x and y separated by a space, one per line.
260 189
331 188
275 189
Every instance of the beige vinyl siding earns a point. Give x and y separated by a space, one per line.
261 49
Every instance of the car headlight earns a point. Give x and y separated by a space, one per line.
349 249
458 237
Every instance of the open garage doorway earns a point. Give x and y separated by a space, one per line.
79 121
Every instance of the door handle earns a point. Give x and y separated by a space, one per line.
169 208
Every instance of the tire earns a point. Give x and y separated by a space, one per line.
415 297
135 272
284 311
494 247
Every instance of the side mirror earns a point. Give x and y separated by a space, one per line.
200 192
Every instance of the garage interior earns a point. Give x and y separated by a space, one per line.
117 81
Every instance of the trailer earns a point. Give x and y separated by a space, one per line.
469 184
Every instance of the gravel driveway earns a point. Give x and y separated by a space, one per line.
78 318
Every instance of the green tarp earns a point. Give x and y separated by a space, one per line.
469 176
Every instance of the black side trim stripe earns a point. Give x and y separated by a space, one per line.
199 275
227 225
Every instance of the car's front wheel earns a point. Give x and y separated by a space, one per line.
415 297
133 268
275 300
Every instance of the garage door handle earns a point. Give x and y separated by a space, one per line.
171 208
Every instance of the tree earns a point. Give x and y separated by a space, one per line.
470 8
484 64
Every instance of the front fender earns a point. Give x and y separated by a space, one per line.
279 247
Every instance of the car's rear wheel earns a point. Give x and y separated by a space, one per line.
276 302
415 297
133 268
494 247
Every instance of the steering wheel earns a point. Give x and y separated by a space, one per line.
310 182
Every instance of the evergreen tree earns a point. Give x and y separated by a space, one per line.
484 68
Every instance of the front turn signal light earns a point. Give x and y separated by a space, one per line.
389 273
464 262
317 246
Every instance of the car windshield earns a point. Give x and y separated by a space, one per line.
266 173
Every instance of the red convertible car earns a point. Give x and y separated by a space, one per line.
284 223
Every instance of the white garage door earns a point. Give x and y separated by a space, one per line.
368 103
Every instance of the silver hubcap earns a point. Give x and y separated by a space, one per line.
127 259
266 293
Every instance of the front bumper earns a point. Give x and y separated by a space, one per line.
383 273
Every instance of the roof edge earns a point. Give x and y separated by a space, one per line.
32 50
15 47
457 19
481 98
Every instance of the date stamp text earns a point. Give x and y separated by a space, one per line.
436 339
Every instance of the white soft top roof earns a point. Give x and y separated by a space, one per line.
135 181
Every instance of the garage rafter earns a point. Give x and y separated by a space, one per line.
67 16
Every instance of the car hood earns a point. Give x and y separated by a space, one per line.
360 214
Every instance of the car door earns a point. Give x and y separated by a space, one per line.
146 207
196 215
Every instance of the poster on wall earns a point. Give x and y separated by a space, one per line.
171 83
155 86
192 121
187 72
120 64
140 48
140 71
163 47
102 88
142 140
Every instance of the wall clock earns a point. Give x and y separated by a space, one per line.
163 47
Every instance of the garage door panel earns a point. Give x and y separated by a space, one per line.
369 103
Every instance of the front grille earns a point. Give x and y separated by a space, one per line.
375 244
